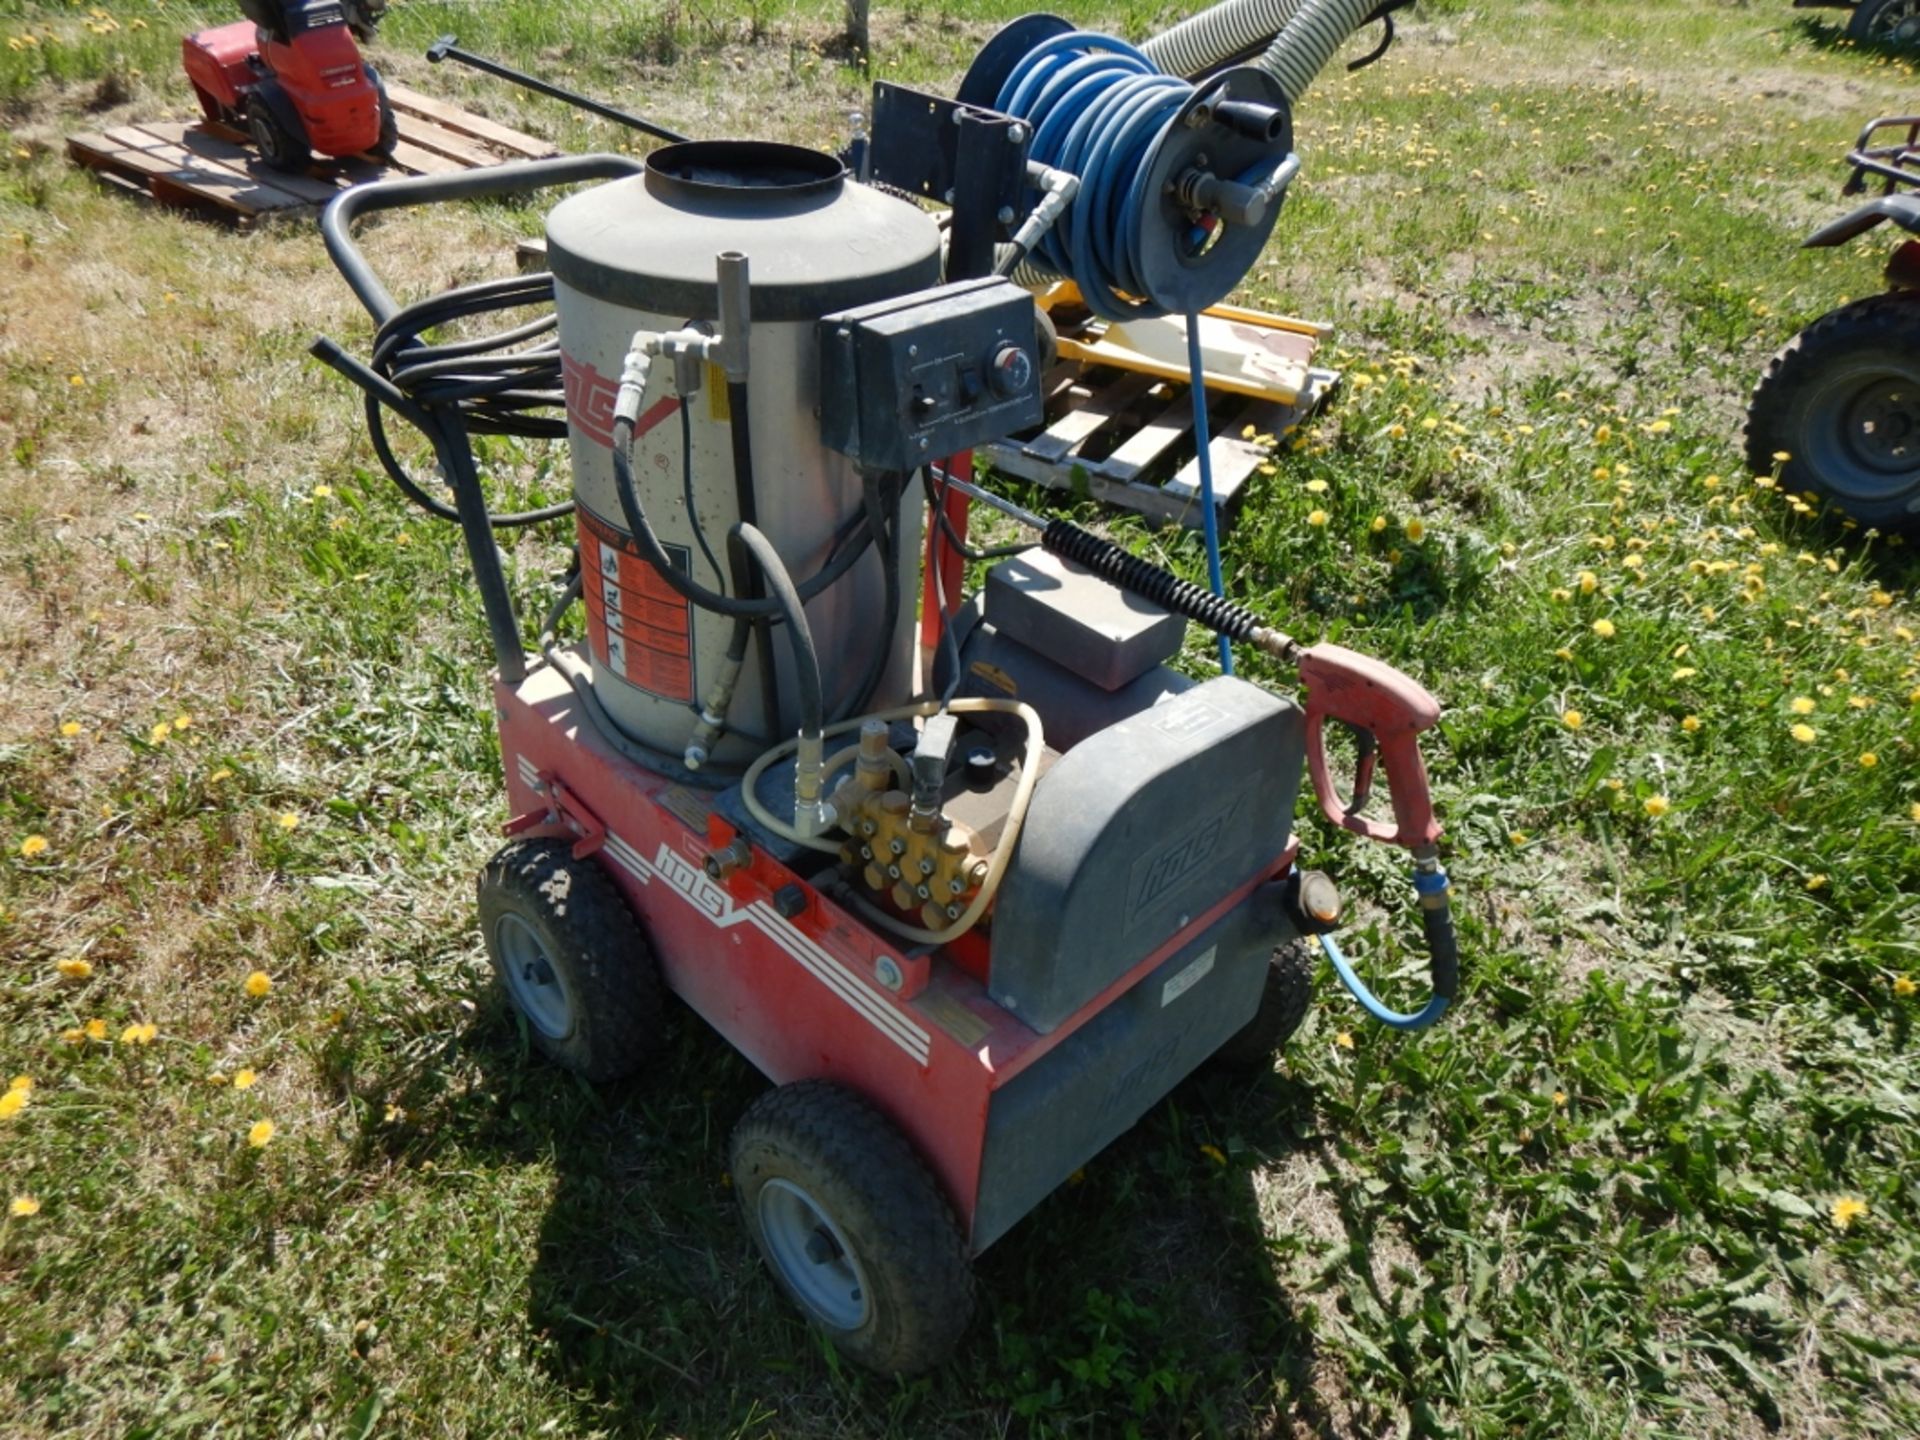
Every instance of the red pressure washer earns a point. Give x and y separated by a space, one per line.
973 910
291 74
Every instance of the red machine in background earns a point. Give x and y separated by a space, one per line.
292 74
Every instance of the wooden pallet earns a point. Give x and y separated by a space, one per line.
1127 439
212 167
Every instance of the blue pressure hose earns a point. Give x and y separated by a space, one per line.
1209 520
1436 916
1097 107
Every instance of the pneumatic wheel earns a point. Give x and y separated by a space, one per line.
281 147
1843 401
1886 22
1283 1005
571 958
389 121
852 1226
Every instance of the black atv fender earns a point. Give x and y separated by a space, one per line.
1903 210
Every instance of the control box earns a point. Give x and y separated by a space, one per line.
930 374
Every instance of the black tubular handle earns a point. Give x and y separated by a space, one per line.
490 183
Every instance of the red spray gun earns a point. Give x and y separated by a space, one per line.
1385 711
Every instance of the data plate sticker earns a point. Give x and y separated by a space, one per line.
1190 975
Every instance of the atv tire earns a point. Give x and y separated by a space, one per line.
1842 401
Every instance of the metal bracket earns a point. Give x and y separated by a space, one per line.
968 157
563 809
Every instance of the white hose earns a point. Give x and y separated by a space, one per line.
1218 33
1009 834
1317 30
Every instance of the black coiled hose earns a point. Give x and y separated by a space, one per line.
507 383
1140 577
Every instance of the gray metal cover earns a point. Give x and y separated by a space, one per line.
1135 831
1073 617
649 243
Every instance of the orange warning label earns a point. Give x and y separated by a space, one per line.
637 626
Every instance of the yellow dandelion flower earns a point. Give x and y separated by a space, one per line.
1904 987
1869 760
1603 628
72 1035
71 728
21 1082
1846 1210
243 1078
22 1206
1316 487
216 1078
1914 813
1379 524
321 492
75 968
1573 719
1560 1099
1563 653
1712 482
1561 594
1602 434
1416 529
1690 724
1343 1040
1587 581
287 820
1317 517
159 733
12 1103
259 983
96 1029
1817 882
181 722
1657 805
223 773
1781 457
139 1034
1804 733
260 1134
1658 427
1802 705
33 845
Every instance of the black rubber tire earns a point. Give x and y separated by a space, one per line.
1801 402
1872 17
612 1015
1283 1006
282 148
389 121
866 1178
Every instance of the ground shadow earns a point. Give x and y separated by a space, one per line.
1142 1294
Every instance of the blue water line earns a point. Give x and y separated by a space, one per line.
1209 518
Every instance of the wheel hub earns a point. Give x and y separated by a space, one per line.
1881 426
1898 24
535 985
812 1255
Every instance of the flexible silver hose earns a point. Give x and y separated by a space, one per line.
1218 33
1317 30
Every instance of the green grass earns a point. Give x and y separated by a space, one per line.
1559 241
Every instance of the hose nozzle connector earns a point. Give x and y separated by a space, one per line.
872 768
813 813
713 716
929 769
633 376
